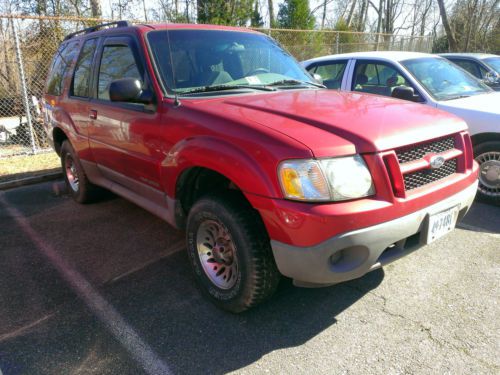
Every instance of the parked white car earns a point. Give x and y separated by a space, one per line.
8 126
481 65
430 80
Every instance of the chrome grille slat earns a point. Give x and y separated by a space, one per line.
426 176
408 154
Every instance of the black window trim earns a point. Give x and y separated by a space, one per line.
129 40
387 63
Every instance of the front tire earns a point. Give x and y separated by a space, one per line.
230 252
487 154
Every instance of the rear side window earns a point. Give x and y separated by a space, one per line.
471 66
117 62
60 66
331 73
81 78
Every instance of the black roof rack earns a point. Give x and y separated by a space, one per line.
97 27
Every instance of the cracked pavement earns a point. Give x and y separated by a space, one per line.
434 311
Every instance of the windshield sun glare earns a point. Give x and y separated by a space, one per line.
444 80
202 61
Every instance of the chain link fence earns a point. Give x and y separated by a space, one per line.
306 44
27 45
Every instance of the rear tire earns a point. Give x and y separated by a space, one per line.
487 154
230 252
79 186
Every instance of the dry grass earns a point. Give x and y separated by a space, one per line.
24 166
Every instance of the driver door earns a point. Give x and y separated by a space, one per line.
125 137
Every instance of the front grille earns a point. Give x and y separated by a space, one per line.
424 177
407 154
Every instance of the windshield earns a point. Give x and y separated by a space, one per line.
443 79
494 62
211 60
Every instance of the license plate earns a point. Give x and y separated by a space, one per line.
441 224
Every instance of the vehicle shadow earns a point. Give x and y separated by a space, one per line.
129 257
482 217
192 336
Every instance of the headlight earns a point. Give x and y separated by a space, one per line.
326 179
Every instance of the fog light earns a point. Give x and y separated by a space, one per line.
349 258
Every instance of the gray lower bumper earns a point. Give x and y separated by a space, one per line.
353 254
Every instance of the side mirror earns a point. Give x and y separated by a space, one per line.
318 78
129 90
405 93
491 77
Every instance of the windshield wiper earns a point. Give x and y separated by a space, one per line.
294 82
224 88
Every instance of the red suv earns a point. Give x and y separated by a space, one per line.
221 133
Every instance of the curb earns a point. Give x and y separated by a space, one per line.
30 180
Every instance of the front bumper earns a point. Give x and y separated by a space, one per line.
351 255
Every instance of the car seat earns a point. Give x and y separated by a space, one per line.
361 79
207 76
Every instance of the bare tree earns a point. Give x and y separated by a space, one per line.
424 15
380 20
95 8
145 10
351 13
450 35
362 17
323 17
271 13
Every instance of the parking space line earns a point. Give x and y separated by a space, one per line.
104 311
181 245
21 330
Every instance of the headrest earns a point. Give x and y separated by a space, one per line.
361 79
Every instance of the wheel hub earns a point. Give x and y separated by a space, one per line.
490 171
217 254
489 174
222 252
72 174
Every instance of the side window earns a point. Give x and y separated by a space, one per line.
60 66
482 71
116 62
469 66
81 77
377 78
331 73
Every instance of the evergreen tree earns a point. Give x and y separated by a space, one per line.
224 12
295 14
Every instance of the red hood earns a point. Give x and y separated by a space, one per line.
333 123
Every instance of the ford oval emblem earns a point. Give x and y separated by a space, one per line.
437 162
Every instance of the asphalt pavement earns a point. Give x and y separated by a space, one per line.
106 289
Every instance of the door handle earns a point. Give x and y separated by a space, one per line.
93 114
